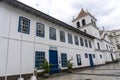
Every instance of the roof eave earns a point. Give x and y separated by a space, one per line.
40 14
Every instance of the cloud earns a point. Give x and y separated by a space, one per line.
106 11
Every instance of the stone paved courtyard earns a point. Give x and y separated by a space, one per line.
106 72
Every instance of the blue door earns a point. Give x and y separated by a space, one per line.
91 60
53 59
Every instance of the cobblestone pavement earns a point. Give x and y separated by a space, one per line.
106 72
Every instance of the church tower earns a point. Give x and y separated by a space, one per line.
87 23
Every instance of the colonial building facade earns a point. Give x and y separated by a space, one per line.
28 36
115 37
102 41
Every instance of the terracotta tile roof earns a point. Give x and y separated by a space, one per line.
82 14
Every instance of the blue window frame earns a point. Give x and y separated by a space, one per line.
39 59
62 36
64 59
86 55
40 30
90 45
86 43
76 40
78 56
93 55
24 25
70 40
81 42
52 33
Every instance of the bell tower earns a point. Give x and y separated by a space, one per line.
86 22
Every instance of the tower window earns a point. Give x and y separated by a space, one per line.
83 22
85 31
78 24
91 21
106 46
94 23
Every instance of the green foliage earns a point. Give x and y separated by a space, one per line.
46 66
69 64
115 60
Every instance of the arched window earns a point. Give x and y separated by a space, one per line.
78 24
94 23
83 22
91 21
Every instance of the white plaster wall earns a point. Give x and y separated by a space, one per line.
100 60
41 44
107 56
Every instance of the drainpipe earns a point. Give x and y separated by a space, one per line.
33 77
21 59
7 56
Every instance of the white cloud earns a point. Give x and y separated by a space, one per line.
106 11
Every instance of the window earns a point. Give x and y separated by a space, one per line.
64 59
39 59
81 42
52 32
76 40
62 36
86 55
90 45
83 22
91 21
98 45
85 31
70 40
78 56
24 25
93 55
100 56
118 46
94 23
86 43
40 30
109 46
106 46
78 24
114 33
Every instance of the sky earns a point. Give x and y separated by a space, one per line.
107 12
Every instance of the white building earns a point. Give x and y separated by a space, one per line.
102 42
115 37
28 36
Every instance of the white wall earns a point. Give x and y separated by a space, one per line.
10 19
